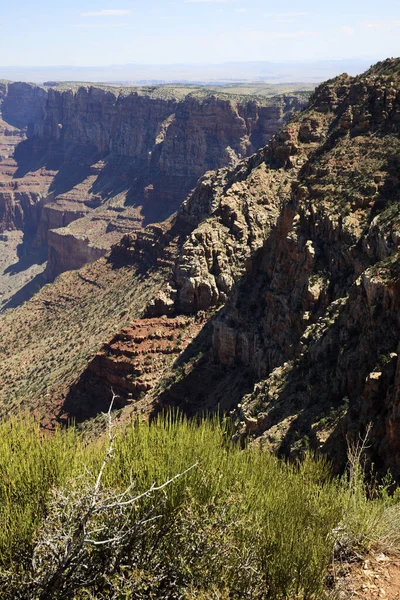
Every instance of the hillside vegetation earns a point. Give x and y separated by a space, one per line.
42 356
102 521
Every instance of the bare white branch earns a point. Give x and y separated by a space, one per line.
89 516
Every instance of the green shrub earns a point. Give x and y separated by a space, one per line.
241 524
31 463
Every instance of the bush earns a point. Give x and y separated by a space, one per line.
125 518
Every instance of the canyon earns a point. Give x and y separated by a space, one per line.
83 165
270 293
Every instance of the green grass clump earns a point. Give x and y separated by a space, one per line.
240 524
30 465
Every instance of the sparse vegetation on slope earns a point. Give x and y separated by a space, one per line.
42 355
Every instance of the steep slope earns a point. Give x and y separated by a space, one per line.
302 246
47 341
285 268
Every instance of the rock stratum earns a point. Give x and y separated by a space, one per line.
83 165
272 293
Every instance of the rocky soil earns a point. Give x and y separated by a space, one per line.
375 577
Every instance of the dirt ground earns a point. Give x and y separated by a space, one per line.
377 576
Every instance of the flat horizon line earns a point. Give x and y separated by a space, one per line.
194 64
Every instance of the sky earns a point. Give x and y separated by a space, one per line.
102 33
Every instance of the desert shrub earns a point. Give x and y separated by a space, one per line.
31 463
237 524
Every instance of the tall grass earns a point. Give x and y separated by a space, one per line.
30 465
242 524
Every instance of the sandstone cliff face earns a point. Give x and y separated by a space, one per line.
23 105
299 245
95 117
137 153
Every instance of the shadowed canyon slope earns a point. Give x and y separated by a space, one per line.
274 291
82 165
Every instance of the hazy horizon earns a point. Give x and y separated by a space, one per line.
233 71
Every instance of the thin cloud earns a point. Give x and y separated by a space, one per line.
288 15
384 25
106 13
100 25
347 30
240 10
262 36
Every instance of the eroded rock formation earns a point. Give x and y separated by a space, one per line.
299 245
121 157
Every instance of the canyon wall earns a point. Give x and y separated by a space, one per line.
169 141
21 190
120 157
294 255
23 104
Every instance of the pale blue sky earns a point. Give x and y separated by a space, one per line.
97 32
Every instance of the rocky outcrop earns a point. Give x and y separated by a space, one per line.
299 246
295 193
131 364
316 314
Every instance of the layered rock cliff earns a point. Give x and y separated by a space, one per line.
299 246
21 192
276 284
122 156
